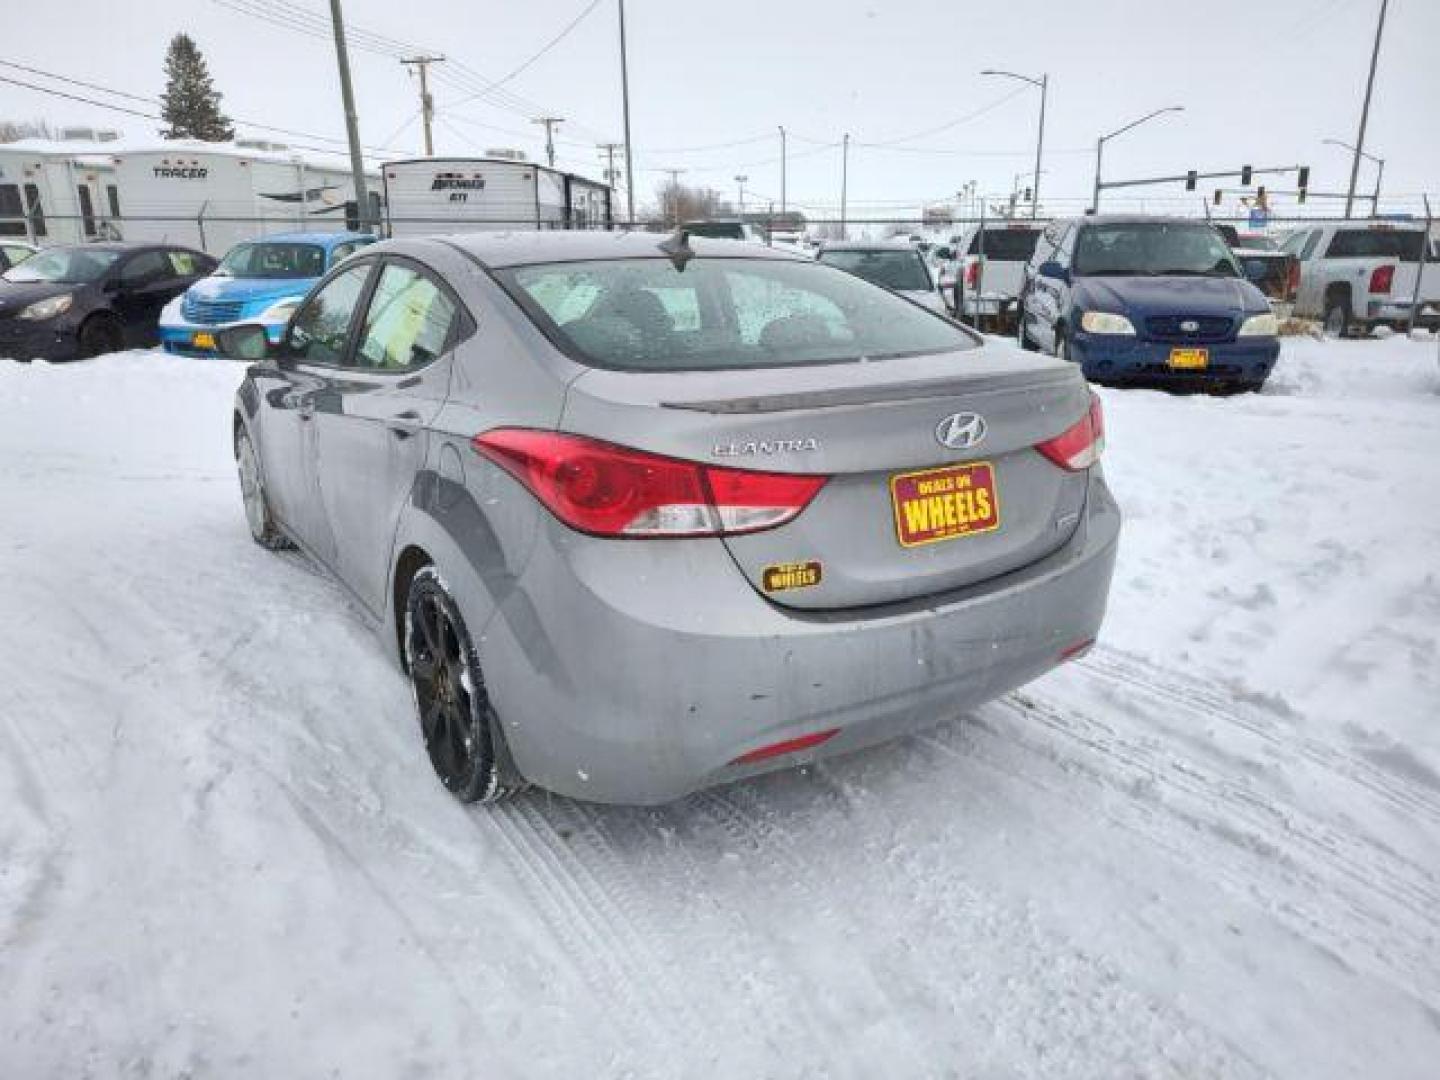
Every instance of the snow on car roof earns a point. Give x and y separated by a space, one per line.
559 245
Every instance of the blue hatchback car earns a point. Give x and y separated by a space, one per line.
261 281
1148 300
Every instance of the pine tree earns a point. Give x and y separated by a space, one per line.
191 105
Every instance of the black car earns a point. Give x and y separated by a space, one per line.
82 300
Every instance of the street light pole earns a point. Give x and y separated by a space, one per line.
625 97
1043 85
741 181
782 171
1359 147
1100 146
844 180
1379 163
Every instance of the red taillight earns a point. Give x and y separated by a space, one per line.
608 490
1292 279
1080 445
1381 278
972 273
789 746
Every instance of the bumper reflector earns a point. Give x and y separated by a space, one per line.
1077 650
789 746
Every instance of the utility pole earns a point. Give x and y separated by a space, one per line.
550 123
674 190
625 95
610 148
844 180
1365 111
783 205
741 181
427 103
352 121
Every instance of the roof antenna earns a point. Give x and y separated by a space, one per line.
678 248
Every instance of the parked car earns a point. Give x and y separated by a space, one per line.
1147 299
1355 275
899 267
989 270
14 252
259 281
624 554
82 300
1273 271
725 229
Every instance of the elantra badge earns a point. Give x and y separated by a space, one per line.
961 430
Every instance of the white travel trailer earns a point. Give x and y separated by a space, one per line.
435 195
58 192
213 195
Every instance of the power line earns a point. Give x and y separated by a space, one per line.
561 36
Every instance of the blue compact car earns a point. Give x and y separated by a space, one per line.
262 281
1147 300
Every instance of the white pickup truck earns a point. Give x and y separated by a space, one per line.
1356 275
989 269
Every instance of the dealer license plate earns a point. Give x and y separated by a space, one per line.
203 341
945 503
1189 359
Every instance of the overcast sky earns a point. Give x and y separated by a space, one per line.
1262 82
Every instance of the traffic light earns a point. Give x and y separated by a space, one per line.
1190 179
1218 195
1029 194
1304 182
1245 175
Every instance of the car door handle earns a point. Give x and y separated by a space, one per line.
403 425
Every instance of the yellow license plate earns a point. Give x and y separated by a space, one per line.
945 503
1189 359
203 341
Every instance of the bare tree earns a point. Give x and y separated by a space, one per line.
15 130
678 202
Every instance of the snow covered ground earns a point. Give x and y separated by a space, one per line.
1212 848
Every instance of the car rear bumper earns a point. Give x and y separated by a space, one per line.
1398 311
26 339
638 672
1111 358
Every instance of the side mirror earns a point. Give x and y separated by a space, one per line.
1053 269
244 342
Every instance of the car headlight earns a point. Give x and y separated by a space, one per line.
1106 322
1262 325
281 310
49 308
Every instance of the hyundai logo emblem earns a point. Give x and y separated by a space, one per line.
961 430
1189 326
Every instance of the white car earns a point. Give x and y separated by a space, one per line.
990 270
899 267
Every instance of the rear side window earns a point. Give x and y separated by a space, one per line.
1376 244
645 315
410 322
1007 245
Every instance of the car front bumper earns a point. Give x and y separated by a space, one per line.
638 672
30 339
178 336
1116 358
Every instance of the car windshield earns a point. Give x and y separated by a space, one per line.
1152 249
272 260
1006 245
68 265
719 314
902 271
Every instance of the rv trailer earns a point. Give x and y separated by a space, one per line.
214 195
437 195
58 192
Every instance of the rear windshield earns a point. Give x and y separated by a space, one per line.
1376 243
718 230
721 314
1153 249
1007 245
903 271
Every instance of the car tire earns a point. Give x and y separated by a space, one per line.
457 721
1338 315
263 529
100 334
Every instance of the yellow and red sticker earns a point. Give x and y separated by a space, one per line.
942 504
791 575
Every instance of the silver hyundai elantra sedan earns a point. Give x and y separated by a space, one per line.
638 515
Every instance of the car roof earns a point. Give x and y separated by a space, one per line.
868 245
498 249
323 239
1140 219
119 245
